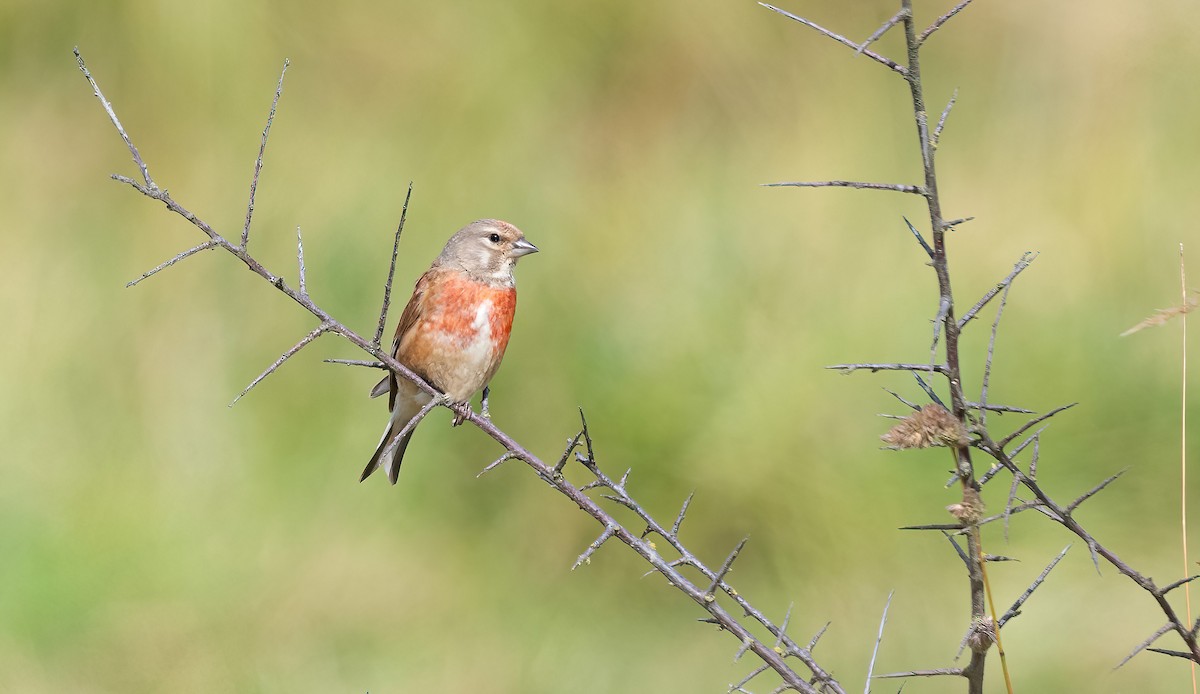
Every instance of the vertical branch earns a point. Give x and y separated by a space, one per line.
962 457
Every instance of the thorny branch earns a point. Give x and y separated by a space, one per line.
948 329
773 650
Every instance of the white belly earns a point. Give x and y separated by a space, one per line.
469 370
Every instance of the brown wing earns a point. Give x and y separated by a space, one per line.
408 319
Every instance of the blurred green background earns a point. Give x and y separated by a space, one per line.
152 540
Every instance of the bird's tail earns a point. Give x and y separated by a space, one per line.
392 463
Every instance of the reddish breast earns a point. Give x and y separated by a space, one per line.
457 310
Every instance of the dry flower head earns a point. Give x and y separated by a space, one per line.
932 425
970 510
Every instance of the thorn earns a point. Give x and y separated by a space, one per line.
726 567
682 513
586 557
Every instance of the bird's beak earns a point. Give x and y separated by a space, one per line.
523 247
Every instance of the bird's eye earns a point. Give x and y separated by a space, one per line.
494 238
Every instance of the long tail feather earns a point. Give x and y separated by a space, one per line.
392 465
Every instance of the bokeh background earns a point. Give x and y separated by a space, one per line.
154 540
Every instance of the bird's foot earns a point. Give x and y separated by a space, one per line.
462 410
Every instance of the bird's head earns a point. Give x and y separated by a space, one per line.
487 250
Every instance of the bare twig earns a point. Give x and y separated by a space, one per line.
937 131
1172 586
882 30
112 116
1016 606
571 444
862 185
387 288
839 38
739 687
901 398
938 321
207 245
936 672
817 636
586 557
304 342
999 409
928 390
937 24
682 512
726 567
1093 491
508 455
370 363
1020 266
878 640
302 271
1145 644
258 163
991 352
850 368
1034 422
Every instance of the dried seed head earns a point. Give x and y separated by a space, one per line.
982 636
932 425
970 510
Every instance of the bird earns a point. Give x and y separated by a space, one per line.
453 331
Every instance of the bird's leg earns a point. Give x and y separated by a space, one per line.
483 410
461 411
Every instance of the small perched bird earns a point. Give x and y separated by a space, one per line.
454 330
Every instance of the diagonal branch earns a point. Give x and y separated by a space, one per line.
508 455
898 69
1093 491
937 24
163 266
1016 606
726 568
1145 644
1034 422
1020 266
586 557
896 19
1172 586
112 116
304 342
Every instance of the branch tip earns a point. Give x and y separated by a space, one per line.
387 288
304 342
